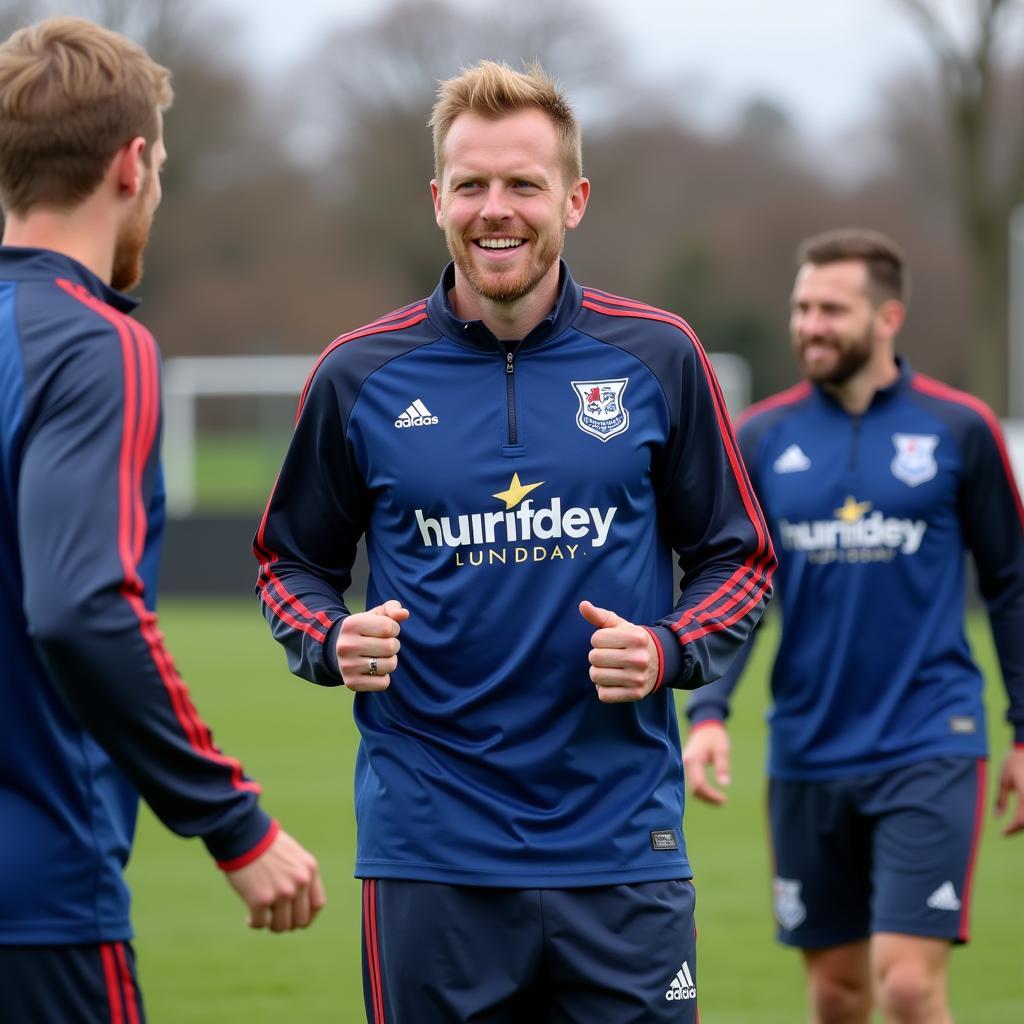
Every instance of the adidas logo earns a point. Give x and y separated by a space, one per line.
792 460
417 415
944 898
682 986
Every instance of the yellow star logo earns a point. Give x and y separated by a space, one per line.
853 511
516 492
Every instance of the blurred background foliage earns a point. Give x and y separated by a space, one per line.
296 206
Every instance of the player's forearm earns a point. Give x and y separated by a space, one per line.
118 679
1007 619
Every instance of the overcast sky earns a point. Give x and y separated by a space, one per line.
822 60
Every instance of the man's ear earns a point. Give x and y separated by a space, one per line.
892 313
128 166
435 195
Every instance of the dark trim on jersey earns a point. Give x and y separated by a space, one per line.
936 389
286 606
373 948
750 584
408 316
979 820
796 393
141 411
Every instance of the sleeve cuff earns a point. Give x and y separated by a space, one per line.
706 721
673 660
240 835
261 847
329 649
705 713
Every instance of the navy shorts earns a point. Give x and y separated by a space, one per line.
89 984
447 954
889 852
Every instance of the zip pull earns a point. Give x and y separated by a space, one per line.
508 362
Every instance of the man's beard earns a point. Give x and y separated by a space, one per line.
851 358
128 250
505 286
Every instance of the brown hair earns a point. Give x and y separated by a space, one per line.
71 94
494 90
884 259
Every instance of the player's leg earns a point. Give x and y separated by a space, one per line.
928 824
839 983
821 849
622 953
87 984
910 976
439 954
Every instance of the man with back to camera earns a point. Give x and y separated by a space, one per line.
876 480
94 711
522 455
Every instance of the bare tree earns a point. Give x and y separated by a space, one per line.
372 86
979 97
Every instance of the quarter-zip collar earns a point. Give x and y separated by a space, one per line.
880 399
475 334
19 263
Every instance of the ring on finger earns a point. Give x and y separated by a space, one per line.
373 667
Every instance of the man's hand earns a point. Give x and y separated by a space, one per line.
1011 780
281 887
368 646
708 744
623 658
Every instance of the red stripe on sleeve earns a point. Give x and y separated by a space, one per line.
285 616
759 564
413 316
140 412
796 393
289 608
935 388
110 979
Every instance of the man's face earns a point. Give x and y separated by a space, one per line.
832 320
134 233
503 202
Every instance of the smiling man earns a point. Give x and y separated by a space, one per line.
876 481
522 455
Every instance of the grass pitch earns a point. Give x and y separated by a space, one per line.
199 964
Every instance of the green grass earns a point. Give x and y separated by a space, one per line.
200 964
235 472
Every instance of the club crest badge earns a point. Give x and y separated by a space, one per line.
602 412
915 458
790 911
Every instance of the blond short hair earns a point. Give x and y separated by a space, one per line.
71 94
493 91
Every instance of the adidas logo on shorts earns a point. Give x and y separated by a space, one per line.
682 986
944 898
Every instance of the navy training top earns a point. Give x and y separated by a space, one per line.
872 517
92 709
498 484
